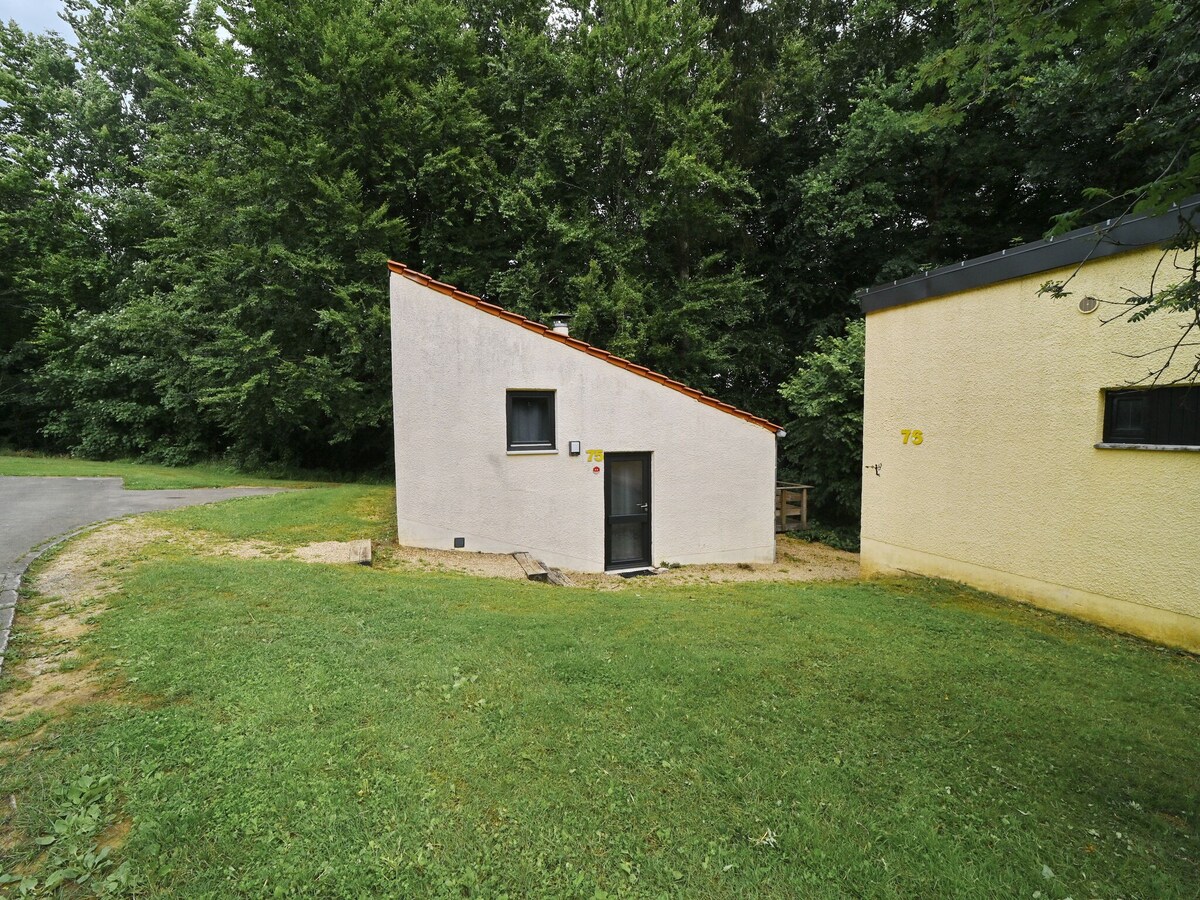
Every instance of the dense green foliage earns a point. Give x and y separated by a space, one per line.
197 198
265 728
824 443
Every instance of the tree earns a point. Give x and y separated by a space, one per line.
266 180
1128 72
198 197
631 212
824 437
51 244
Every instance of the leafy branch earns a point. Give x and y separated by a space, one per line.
1179 296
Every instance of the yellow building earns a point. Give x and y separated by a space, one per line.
1006 446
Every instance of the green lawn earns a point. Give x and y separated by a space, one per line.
277 729
138 476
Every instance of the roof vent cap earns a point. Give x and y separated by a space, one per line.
560 323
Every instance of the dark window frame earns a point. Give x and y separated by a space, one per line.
511 395
1166 416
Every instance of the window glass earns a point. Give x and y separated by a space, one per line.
1129 415
626 538
530 420
1169 416
626 487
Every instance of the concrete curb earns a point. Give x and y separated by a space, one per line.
10 583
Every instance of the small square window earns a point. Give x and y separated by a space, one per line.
1128 419
531 420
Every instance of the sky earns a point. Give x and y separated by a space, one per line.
33 15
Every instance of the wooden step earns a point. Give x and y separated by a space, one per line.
554 576
533 568
538 571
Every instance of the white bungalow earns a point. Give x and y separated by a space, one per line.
513 436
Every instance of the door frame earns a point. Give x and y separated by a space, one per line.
647 485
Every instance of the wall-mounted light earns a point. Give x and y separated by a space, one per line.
573 448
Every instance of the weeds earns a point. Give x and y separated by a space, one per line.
839 537
72 856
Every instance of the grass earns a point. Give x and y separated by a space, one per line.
139 476
326 513
276 729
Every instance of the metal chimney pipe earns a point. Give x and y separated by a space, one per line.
560 323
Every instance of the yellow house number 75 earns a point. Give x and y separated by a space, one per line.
911 435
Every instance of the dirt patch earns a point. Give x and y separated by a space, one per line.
85 568
63 599
67 594
115 835
9 836
49 692
63 620
794 561
205 543
238 549
465 562
335 552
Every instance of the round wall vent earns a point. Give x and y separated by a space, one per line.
1088 305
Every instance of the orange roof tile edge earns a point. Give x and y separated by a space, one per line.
482 305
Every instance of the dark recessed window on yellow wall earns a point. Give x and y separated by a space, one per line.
1163 416
531 420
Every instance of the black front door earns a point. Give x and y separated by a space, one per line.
626 510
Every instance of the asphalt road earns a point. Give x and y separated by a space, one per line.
33 510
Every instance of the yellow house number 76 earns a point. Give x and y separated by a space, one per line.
911 435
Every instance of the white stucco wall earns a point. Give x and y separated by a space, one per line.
713 474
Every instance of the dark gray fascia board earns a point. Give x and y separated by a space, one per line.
1093 242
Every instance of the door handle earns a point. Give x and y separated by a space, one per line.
643 506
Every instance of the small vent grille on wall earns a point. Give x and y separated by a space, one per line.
1088 305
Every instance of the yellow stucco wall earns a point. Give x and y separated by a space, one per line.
1007 491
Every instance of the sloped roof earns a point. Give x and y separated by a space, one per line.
490 308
